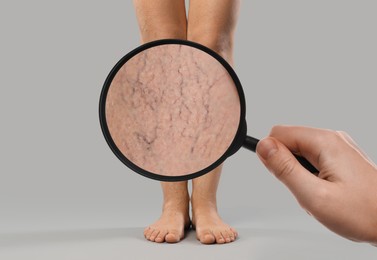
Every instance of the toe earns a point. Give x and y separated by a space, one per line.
161 237
148 233
154 235
219 238
146 230
231 235
173 237
206 237
226 236
235 233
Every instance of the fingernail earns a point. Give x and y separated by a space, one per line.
266 148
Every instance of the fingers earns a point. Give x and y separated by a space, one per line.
321 147
281 162
305 141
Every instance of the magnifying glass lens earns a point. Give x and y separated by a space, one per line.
171 110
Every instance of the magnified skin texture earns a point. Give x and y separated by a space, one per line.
172 110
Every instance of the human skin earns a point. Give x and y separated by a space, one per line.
344 195
172 110
211 23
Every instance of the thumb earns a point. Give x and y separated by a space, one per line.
282 163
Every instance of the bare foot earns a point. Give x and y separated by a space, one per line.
171 225
210 228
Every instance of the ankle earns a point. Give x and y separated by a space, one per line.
203 206
176 204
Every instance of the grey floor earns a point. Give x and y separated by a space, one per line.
284 237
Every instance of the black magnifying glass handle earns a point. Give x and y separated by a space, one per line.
250 143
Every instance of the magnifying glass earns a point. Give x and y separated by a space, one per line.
173 110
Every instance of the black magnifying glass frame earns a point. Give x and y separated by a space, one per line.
239 140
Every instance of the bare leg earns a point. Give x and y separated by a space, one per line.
175 216
160 19
211 23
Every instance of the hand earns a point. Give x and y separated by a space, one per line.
344 195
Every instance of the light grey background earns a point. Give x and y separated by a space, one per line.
64 195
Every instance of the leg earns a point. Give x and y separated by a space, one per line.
175 216
161 19
211 23
209 226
